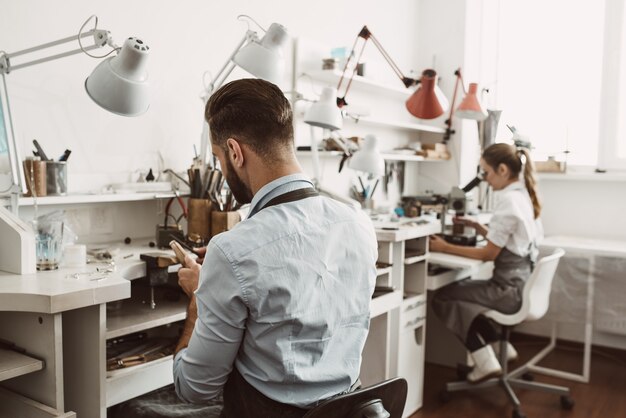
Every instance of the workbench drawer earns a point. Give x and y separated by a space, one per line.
413 311
125 384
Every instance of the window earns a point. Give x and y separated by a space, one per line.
559 78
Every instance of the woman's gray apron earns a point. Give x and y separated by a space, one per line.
458 304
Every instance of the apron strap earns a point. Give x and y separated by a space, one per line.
292 196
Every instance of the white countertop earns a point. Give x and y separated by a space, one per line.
61 290
397 231
597 246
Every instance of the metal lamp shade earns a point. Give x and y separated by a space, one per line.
470 107
368 158
264 59
120 84
428 101
324 113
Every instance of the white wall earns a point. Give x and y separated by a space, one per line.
186 38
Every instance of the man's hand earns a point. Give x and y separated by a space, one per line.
189 275
437 244
188 278
201 252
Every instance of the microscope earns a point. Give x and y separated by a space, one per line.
457 200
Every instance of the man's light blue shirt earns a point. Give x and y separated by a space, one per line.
284 297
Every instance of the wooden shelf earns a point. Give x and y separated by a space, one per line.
322 154
415 259
135 316
383 271
13 364
382 304
573 176
72 199
387 157
408 157
395 124
332 77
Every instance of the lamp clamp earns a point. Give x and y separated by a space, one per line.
103 37
5 63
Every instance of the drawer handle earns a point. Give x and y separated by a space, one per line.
415 305
415 321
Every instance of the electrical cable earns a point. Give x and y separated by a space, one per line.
241 17
80 43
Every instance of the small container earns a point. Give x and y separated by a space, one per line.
35 174
223 221
48 244
199 219
48 250
329 63
56 178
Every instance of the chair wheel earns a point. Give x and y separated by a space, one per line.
517 413
528 376
444 396
567 402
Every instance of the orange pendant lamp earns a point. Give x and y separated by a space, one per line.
428 101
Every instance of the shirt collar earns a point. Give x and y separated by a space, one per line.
277 187
516 185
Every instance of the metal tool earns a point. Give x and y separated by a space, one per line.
156 269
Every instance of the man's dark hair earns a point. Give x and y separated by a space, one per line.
254 112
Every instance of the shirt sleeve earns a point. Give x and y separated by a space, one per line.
503 224
202 369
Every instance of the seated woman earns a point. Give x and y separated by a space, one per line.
512 238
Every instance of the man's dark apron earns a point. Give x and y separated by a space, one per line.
242 400
458 304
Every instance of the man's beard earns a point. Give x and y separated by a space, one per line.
241 192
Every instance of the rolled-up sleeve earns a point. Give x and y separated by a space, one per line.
202 369
501 227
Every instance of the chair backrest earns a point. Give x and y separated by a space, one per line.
536 295
382 400
536 299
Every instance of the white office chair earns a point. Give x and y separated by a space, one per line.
535 302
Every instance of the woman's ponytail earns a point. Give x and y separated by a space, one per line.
529 179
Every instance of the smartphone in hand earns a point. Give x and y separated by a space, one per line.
179 251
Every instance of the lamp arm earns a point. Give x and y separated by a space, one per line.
459 79
216 83
407 81
100 37
229 65
18 181
366 34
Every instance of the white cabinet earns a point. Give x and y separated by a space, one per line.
406 249
136 315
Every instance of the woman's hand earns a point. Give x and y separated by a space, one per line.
459 220
437 244
189 276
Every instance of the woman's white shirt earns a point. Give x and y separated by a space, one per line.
513 225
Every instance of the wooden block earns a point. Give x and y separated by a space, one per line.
223 221
199 220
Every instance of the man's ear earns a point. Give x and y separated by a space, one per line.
235 152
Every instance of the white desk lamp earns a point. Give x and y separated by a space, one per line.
368 158
263 58
325 114
119 84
